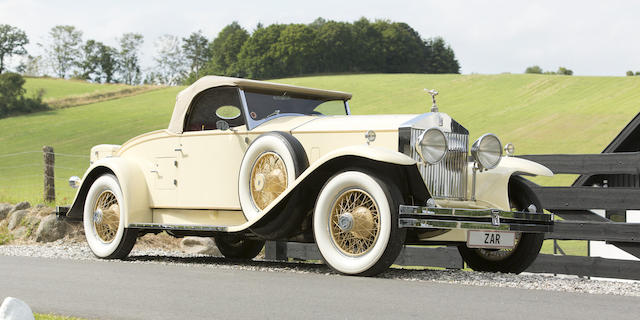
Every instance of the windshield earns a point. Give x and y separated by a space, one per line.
266 105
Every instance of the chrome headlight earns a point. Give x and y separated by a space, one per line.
74 182
487 151
432 146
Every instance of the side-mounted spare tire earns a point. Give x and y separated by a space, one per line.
270 165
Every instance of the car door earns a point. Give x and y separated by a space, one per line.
209 156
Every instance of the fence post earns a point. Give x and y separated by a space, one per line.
49 175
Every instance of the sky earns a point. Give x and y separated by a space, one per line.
488 37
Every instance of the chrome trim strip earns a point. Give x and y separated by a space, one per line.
478 219
161 226
473 213
445 224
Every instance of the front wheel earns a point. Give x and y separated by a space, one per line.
527 247
103 219
355 224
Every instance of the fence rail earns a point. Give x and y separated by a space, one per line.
19 174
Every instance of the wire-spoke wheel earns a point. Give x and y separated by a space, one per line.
104 212
355 224
527 245
106 216
268 179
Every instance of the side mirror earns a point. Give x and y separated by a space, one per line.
222 125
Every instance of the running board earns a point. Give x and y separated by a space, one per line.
178 227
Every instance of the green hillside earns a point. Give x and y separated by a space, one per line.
58 88
539 113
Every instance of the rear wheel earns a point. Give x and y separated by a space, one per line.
237 247
103 220
355 224
527 247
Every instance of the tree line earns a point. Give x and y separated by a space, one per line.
281 50
274 51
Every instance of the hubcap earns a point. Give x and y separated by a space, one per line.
106 216
268 179
354 222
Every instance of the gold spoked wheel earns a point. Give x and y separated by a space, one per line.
268 179
354 222
106 216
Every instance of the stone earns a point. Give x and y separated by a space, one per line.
199 245
15 218
22 206
44 211
51 229
5 208
19 233
15 309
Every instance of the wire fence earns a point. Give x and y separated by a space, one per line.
23 176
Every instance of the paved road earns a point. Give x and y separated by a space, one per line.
117 290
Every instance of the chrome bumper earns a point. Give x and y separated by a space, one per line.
477 219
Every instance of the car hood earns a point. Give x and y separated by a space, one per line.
353 123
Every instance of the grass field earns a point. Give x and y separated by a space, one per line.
538 113
58 88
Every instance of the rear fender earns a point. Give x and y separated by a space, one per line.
133 185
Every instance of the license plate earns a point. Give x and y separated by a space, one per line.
491 239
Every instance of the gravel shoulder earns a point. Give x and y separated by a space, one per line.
146 255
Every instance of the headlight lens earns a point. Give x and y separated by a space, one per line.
487 151
432 146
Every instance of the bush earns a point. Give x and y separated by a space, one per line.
564 71
12 99
629 73
533 69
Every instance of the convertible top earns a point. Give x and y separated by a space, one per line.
185 96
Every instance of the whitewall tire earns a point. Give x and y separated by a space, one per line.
355 224
269 166
104 212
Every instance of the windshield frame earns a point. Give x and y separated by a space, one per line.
252 123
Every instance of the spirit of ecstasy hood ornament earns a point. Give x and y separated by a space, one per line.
433 93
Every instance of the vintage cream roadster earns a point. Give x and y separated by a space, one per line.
246 161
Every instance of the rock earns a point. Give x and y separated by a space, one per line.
15 309
51 229
15 218
5 208
21 206
19 233
199 245
44 211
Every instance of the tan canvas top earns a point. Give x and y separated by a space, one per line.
183 100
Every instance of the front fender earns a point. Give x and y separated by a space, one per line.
309 183
133 185
366 151
492 185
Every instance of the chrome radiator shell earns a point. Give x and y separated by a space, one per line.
446 179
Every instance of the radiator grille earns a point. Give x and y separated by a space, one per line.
448 178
